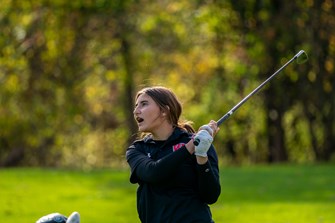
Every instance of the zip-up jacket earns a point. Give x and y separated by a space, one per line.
173 187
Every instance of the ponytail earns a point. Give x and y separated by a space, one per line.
186 125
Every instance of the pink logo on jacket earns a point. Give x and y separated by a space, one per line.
177 146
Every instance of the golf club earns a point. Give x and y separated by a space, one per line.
301 57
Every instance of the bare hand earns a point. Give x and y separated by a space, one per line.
211 127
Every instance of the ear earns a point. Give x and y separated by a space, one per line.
164 111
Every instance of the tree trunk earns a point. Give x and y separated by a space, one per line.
276 134
128 88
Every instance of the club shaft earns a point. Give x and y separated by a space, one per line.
229 113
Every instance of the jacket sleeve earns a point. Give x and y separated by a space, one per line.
208 178
143 168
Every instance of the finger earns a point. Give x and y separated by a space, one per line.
213 126
209 129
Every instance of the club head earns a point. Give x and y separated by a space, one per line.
301 57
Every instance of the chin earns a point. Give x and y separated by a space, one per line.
142 129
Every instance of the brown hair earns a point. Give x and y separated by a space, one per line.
168 102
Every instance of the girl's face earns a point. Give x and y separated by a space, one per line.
148 114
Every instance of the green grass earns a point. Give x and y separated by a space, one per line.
260 194
277 194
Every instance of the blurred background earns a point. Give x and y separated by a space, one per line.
69 71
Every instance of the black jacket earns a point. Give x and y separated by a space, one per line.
172 186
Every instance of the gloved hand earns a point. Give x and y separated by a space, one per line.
205 140
207 128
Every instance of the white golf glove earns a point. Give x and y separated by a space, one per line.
207 128
204 142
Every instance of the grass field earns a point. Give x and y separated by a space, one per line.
256 194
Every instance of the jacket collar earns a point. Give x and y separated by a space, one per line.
177 132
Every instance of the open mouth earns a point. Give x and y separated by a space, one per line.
139 120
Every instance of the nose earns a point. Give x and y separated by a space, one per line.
136 110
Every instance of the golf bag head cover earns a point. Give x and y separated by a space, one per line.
53 218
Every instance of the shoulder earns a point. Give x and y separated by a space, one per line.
136 145
141 146
139 143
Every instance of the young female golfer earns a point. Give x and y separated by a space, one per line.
177 180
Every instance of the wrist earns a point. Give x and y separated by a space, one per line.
201 160
190 146
200 153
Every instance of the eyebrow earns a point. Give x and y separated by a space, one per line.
140 102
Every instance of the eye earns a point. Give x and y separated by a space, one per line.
141 104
